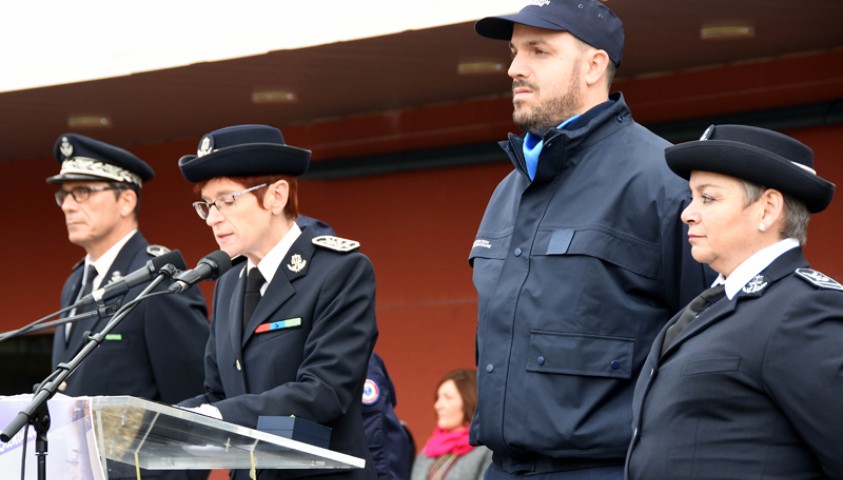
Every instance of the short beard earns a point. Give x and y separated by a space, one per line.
552 111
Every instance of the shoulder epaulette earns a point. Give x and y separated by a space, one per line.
818 279
157 250
336 244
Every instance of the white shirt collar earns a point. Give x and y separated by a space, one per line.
754 265
272 260
103 264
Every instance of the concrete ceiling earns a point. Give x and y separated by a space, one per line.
388 73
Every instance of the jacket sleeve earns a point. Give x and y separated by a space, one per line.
803 373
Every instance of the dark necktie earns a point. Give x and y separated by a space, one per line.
253 294
697 305
87 288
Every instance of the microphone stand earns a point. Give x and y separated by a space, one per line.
103 310
36 413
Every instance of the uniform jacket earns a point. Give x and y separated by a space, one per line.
576 272
315 368
159 355
389 443
751 388
161 342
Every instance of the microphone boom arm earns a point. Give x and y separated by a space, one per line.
49 387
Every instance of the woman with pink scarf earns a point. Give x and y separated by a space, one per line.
447 454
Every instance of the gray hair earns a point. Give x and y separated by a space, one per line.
796 214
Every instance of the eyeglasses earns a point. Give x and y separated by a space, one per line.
203 209
82 193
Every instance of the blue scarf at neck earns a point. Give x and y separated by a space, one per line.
532 148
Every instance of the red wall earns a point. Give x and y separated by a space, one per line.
416 227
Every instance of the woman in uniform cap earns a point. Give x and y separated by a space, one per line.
293 326
748 383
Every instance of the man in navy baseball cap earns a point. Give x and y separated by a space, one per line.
589 20
579 260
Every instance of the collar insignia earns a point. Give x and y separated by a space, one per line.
755 285
66 148
336 243
297 263
116 276
819 279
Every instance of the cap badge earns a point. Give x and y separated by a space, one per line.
205 147
707 133
755 285
66 147
297 263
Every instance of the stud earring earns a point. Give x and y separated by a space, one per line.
762 227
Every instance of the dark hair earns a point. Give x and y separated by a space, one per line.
291 210
466 382
120 187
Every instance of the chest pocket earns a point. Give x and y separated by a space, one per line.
589 355
486 259
493 247
632 254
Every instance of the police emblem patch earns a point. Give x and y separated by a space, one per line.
818 279
755 285
371 392
336 243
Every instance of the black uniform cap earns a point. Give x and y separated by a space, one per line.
83 158
243 150
758 155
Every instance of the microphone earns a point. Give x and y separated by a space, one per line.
137 277
210 267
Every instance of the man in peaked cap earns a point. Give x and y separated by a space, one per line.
294 325
580 256
748 383
156 351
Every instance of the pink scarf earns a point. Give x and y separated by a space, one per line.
447 441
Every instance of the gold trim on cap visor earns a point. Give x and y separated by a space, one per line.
88 166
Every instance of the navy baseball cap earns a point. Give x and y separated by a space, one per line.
243 150
83 158
757 155
589 20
